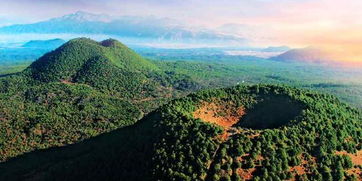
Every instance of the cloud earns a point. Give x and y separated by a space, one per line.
327 23
192 10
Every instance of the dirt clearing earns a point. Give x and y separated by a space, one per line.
222 114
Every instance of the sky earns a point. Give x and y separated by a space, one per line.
335 25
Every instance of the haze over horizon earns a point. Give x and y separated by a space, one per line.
332 25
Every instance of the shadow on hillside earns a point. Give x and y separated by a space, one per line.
272 112
6 75
122 154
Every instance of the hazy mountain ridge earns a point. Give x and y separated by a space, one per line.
28 51
45 44
125 26
276 49
307 55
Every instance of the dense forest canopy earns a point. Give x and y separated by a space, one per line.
317 141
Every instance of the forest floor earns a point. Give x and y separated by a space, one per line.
356 160
223 114
226 115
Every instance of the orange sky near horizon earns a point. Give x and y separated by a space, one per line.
332 25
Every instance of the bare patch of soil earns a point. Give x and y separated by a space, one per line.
304 167
246 174
223 114
355 171
356 160
299 169
67 82
145 100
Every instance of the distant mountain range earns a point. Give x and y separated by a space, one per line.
161 29
48 44
276 49
28 51
306 55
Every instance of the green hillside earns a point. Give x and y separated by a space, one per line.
80 90
213 135
64 62
106 65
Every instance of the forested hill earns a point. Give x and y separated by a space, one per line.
260 132
75 56
80 90
108 66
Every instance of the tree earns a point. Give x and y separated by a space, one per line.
327 174
250 163
216 177
217 167
236 177
339 173
239 150
226 178
264 173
